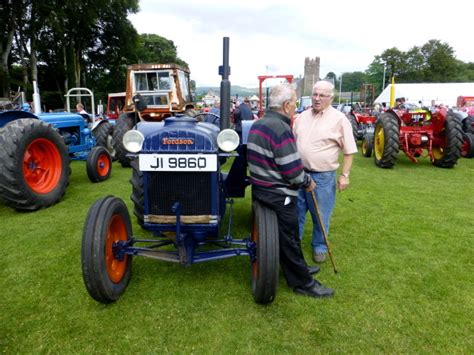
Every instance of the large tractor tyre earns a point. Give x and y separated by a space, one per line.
386 140
447 155
99 164
137 196
367 145
355 128
467 149
125 123
266 263
106 273
103 137
468 124
34 165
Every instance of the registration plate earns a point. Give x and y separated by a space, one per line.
177 162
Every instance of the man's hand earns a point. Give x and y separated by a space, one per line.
342 182
311 186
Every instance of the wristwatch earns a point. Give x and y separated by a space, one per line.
346 175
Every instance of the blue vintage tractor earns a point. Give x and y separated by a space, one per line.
36 149
180 194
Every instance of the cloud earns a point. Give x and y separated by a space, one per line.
275 37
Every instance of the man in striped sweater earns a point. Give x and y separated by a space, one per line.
276 174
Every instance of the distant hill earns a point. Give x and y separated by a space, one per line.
234 90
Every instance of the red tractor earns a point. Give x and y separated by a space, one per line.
416 131
363 125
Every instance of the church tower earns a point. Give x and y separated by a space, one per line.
311 74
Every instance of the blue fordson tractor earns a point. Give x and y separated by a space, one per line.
180 195
36 148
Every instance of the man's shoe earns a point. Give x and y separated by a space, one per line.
319 257
315 290
313 269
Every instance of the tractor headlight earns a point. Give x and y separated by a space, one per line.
228 140
133 141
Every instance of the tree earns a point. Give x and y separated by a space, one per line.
153 48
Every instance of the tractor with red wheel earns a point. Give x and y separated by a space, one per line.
36 149
184 198
418 133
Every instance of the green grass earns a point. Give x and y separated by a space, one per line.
401 239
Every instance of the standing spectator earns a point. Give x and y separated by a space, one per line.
241 113
276 173
215 114
322 133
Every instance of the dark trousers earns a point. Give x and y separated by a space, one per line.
292 260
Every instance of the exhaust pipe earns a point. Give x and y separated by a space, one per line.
224 71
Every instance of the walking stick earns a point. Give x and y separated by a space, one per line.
323 229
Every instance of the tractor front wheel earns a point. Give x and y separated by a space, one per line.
99 164
386 140
106 270
266 263
355 127
367 145
467 150
447 154
34 165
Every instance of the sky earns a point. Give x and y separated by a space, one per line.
273 37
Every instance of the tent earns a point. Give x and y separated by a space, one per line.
442 93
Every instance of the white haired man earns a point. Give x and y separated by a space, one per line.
322 133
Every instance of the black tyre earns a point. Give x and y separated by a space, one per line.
103 137
446 154
34 165
468 124
386 140
467 150
106 274
355 130
266 263
99 164
137 197
125 123
367 145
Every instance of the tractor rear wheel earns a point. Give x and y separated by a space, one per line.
138 197
103 136
34 165
467 150
99 164
106 273
266 263
386 140
125 123
355 129
367 145
447 154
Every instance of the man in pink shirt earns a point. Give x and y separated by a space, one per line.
322 133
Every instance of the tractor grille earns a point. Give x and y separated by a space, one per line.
191 189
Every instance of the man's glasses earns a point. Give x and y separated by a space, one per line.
322 96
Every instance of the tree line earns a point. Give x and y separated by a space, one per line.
433 62
68 43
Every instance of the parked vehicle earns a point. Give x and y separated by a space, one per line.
115 105
181 195
36 151
416 131
163 89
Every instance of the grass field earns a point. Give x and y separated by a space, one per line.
401 238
